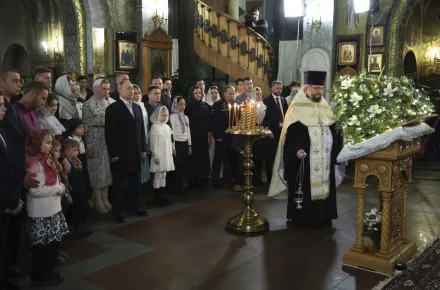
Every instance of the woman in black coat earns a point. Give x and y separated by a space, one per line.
200 119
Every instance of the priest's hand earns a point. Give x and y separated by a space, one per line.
157 161
301 154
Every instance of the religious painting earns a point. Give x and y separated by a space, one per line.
377 36
126 55
159 63
157 59
347 53
375 62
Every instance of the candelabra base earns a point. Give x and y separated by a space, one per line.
248 222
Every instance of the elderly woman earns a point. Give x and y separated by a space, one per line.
97 154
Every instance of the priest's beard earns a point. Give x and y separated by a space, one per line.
316 98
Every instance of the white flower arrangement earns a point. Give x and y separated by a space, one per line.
372 221
367 106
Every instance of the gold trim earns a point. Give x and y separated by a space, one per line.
392 61
82 52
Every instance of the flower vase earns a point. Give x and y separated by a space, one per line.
375 238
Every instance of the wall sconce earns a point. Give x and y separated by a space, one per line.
45 46
157 20
433 55
316 24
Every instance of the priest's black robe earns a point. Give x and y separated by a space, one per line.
313 212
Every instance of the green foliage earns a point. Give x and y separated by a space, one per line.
367 105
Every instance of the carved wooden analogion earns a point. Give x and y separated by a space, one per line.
393 168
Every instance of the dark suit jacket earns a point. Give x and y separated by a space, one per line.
114 95
13 124
8 196
220 119
272 118
125 136
164 101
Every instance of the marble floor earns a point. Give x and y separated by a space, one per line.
186 246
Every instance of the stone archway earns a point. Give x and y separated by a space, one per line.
399 17
410 63
17 57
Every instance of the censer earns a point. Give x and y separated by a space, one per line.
299 194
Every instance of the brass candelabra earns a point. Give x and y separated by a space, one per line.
245 121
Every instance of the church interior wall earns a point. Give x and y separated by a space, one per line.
31 24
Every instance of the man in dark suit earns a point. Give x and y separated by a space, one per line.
220 124
10 86
10 203
276 108
126 143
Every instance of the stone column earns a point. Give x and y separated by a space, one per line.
234 9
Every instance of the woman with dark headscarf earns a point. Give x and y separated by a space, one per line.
96 147
200 118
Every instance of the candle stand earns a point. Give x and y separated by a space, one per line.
247 125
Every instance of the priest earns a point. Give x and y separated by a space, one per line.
306 156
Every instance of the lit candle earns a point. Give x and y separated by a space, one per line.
258 115
229 116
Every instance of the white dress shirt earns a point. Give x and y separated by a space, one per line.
3 141
129 106
177 129
278 101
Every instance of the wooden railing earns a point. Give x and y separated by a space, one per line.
231 47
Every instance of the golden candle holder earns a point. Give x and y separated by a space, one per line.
248 126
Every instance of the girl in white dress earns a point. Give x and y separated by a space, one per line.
162 150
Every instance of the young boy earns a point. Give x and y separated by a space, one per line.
80 208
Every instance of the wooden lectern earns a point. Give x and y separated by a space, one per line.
393 168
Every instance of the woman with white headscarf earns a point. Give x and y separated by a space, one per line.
258 147
97 153
137 99
67 108
210 98
182 139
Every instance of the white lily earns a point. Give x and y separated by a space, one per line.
389 90
355 98
346 84
374 110
354 121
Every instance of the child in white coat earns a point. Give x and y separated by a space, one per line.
162 150
46 226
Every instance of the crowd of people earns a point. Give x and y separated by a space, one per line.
66 149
